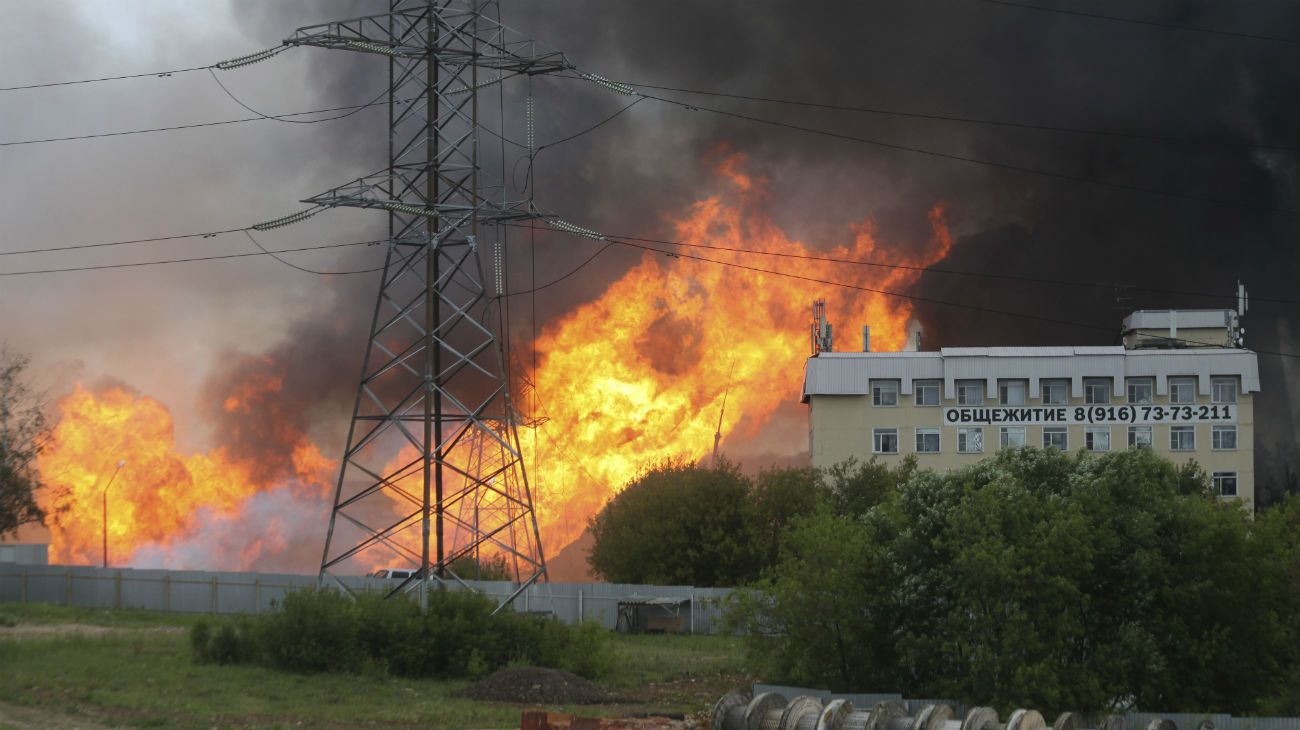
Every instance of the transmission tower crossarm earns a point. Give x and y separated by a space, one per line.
470 38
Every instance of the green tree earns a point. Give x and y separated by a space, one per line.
23 433
679 524
1037 578
854 487
781 496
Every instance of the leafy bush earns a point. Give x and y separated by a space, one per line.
327 631
229 643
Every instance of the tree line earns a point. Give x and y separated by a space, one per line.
1033 578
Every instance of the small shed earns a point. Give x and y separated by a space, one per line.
655 615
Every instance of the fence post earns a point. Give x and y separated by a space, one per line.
579 605
24 588
257 595
117 590
692 613
214 595
67 593
167 592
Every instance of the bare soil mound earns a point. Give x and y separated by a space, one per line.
537 686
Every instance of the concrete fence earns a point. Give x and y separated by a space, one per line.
695 610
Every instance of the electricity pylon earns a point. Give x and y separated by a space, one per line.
433 390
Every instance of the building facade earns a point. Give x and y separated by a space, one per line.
1185 392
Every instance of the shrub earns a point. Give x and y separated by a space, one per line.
326 631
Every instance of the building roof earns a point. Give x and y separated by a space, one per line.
850 373
1163 319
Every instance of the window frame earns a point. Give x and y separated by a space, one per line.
1216 483
1151 436
979 385
1106 385
1178 382
1150 386
1222 428
919 385
965 431
876 433
875 382
1180 429
1003 431
1002 390
1228 380
1045 386
1054 430
920 431
1089 432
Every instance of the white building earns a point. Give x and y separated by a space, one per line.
1180 385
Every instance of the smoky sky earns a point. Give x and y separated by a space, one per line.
192 326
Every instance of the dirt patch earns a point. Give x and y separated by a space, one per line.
537 686
39 718
34 631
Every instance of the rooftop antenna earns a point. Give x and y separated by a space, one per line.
822 340
717 434
1243 305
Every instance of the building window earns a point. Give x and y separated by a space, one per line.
1223 438
927 440
1139 437
970 392
1182 438
1056 392
884 393
1011 437
927 392
1096 391
1139 391
1056 437
1182 390
1224 389
884 441
970 440
1225 483
1097 438
1011 392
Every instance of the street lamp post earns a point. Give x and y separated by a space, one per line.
120 464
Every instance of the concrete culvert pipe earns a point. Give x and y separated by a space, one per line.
801 713
1113 722
729 711
935 717
1161 723
981 718
1026 720
764 712
1068 721
834 714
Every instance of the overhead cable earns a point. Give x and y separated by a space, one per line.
1138 21
195 258
233 63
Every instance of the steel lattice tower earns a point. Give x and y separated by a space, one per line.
433 430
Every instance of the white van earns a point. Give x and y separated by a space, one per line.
393 574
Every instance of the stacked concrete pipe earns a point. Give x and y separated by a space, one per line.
772 711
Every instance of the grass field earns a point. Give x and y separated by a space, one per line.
90 667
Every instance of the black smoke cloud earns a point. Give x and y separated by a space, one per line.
1218 94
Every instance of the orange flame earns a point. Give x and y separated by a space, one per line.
158 493
639 375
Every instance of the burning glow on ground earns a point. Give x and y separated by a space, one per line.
630 379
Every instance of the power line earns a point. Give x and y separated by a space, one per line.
283 117
965 120
886 292
157 74
190 126
79 246
197 258
974 160
955 272
1171 26
290 264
